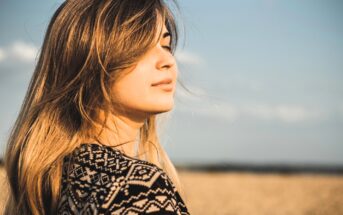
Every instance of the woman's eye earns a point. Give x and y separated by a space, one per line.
168 48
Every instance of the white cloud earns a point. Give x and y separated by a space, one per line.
2 54
281 112
203 103
23 51
294 113
19 50
224 110
285 113
186 57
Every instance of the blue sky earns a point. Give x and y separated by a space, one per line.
267 75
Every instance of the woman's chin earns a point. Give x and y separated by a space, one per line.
162 108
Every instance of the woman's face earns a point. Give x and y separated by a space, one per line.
136 90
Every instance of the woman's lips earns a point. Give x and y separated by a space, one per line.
165 87
164 84
163 81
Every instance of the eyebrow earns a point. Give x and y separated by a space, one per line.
166 34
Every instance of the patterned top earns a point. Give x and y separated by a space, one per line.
105 181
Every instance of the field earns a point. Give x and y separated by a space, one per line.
230 193
237 193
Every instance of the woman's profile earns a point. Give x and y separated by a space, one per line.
85 140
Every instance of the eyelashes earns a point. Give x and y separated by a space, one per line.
168 48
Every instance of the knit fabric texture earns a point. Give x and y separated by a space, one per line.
98 179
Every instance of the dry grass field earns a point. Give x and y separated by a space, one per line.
230 193
233 193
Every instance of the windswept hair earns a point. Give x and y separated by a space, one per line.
87 47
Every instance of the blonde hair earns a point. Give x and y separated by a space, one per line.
87 46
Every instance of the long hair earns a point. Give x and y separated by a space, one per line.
87 46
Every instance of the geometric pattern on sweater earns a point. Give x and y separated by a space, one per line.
98 179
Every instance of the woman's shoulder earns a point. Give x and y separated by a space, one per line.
98 179
102 163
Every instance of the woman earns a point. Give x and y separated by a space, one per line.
105 70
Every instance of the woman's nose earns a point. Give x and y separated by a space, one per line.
165 59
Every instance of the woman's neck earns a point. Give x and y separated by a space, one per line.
119 129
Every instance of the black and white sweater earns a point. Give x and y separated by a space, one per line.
103 180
